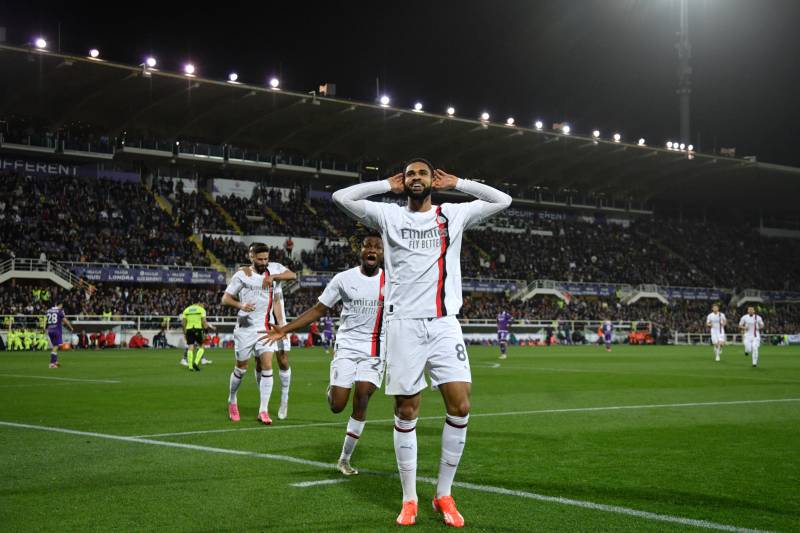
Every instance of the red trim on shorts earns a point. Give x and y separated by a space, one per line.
375 350
442 222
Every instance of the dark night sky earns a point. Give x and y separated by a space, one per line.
607 64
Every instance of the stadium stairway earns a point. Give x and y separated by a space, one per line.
222 211
196 239
325 221
273 215
216 264
162 202
481 251
672 253
37 269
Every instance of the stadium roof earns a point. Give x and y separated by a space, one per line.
64 88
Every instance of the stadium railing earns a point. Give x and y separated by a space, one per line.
737 339
37 268
485 326
747 295
133 322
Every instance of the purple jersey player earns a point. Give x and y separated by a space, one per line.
503 323
608 330
55 317
327 332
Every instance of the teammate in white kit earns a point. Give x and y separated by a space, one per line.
357 359
283 346
422 248
716 322
751 326
253 296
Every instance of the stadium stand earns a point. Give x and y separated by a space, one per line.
86 219
732 254
574 233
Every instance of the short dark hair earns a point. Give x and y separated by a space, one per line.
258 248
371 235
419 160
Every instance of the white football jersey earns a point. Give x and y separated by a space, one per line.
752 325
717 322
422 250
361 322
251 289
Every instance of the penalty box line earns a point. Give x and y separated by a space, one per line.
705 524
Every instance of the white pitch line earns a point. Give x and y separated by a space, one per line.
62 379
256 428
676 374
705 524
304 484
473 415
612 372
472 486
624 407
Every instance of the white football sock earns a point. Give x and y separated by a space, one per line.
236 380
265 388
405 449
286 381
354 429
454 436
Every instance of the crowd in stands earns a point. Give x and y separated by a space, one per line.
325 257
294 218
197 215
271 211
575 251
233 253
685 316
89 220
333 257
85 219
327 210
113 300
733 255
649 250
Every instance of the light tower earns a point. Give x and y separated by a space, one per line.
684 91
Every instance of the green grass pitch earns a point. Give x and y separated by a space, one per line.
560 439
